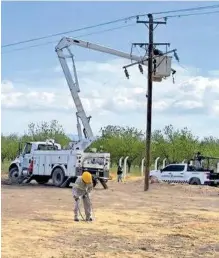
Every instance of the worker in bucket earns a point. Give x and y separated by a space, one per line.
81 190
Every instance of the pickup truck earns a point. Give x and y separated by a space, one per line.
184 173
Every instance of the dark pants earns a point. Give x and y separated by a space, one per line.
119 177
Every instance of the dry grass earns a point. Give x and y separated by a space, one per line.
168 221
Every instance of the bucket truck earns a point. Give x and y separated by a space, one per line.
64 166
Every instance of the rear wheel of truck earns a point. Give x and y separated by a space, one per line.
13 175
58 177
195 181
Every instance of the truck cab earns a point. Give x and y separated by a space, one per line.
23 160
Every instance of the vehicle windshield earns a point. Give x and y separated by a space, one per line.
47 147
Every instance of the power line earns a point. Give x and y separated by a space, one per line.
189 9
70 31
87 34
185 15
107 23
115 28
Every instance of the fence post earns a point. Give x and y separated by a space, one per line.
120 161
124 166
164 162
142 167
156 161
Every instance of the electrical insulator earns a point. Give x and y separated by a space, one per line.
126 73
140 68
176 56
173 72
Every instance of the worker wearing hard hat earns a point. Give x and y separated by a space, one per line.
81 189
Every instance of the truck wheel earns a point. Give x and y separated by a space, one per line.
13 175
58 177
195 181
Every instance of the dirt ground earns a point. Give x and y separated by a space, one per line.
168 221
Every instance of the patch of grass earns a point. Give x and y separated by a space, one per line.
4 166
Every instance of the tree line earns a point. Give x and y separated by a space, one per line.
173 144
35 132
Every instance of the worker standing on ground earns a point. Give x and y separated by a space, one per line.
119 174
81 189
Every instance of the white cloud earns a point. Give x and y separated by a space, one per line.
110 98
7 87
188 104
215 107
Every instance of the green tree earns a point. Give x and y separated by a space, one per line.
45 130
175 145
9 148
121 141
36 132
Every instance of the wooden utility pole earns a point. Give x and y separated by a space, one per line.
154 54
149 95
149 102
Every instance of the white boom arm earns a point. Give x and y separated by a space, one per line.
66 42
74 89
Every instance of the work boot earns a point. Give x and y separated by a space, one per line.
76 219
89 219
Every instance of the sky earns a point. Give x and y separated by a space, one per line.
34 88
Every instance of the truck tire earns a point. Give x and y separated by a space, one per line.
58 177
195 181
14 175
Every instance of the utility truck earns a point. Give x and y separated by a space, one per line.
43 161
25 156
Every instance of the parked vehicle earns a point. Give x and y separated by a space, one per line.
185 173
42 161
25 156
